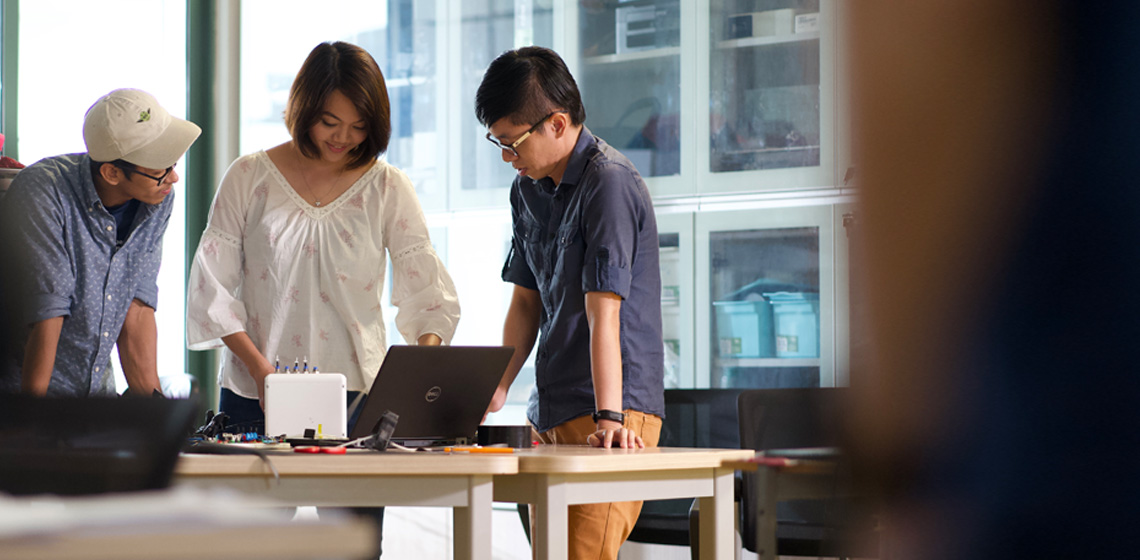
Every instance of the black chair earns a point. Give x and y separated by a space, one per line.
791 418
693 418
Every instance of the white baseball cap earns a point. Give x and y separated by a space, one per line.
130 125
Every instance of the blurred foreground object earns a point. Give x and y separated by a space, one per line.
90 445
997 148
183 523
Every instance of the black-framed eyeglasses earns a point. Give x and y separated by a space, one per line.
511 148
129 168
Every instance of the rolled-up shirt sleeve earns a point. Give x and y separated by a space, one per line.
612 217
213 308
422 290
44 274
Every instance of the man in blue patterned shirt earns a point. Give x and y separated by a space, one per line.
82 238
584 262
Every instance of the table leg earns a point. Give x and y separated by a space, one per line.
766 483
552 521
717 529
473 523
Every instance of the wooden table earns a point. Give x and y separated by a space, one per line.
460 481
782 479
553 477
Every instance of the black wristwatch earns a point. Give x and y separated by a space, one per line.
613 415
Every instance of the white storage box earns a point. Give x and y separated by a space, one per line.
296 401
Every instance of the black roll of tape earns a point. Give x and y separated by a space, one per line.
512 436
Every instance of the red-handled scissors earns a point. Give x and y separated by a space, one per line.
335 450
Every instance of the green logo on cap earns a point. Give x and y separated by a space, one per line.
144 116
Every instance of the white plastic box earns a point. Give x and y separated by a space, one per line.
297 401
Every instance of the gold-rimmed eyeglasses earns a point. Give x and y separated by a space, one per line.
512 148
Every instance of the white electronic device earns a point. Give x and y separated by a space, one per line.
295 402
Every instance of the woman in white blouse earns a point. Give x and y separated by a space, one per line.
292 262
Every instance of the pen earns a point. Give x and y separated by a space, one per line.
774 461
479 449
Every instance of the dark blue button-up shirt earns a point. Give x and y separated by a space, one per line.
593 232
67 262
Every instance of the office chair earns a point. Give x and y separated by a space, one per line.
693 418
789 418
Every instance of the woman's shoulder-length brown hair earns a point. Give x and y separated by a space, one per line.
346 67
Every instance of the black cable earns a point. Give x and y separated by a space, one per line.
211 448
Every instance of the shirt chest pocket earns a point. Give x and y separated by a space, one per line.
529 237
568 249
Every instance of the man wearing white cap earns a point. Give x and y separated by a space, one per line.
82 240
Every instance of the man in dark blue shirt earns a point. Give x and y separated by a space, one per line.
584 261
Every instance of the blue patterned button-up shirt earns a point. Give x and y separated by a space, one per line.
63 259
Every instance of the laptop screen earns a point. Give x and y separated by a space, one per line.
439 392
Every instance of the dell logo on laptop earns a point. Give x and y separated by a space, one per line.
433 394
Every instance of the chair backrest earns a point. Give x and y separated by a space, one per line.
693 418
787 418
782 418
701 418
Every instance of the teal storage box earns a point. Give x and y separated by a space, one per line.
795 324
744 329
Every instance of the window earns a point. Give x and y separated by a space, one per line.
400 35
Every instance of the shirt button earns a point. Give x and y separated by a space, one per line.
90 208
109 228
105 333
108 297
96 369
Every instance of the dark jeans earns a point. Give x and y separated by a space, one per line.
245 415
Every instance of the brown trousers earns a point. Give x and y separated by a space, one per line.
597 531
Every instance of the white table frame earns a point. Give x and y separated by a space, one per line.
463 482
553 477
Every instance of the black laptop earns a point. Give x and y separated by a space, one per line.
439 392
73 446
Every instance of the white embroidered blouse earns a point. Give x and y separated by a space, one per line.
307 281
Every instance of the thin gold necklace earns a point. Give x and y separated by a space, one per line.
316 199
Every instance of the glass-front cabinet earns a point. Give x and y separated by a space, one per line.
766 297
725 96
675 231
767 74
629 71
